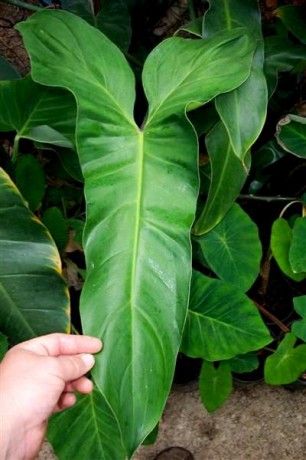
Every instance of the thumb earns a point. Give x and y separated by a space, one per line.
72 367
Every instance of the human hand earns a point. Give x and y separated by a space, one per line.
37 378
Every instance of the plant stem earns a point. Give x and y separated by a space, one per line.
267 198
273 318
191 9
21 4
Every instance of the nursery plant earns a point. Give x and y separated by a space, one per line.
153 178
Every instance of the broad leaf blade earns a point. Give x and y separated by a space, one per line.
299 326
297 255
37 112
29 172
233 250
221 329
135 237
33 294
287 363
92 427
247 362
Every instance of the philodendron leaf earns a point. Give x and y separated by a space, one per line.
222 322
233 249
223 189
294 18
299 326
281 239
215 384
91 425
291 134
236 108
30 180
37 112
141 196
33 294
297 254
287 363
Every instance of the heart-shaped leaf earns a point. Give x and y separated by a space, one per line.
215 384
233 249
216 329
281 239
33 294
287 363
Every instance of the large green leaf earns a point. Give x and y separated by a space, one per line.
281 239
294 18
236 108
291 134
37 112
233 249
93 428
287 363
33 294
222 322
223 190
141 196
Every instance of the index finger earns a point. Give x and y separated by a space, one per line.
62 344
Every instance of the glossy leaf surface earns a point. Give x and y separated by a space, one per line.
33 294
233 249
291 134
215 384
136 235
287 363
216 329
281 239
92 427
37 112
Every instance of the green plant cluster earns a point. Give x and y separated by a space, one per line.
175 167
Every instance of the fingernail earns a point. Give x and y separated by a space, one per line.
88 359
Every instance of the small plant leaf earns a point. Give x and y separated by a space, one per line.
287 363
291 134
7 71
216 329
30 180
215 384
33 294
281 239
294 18
299 326
233 249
